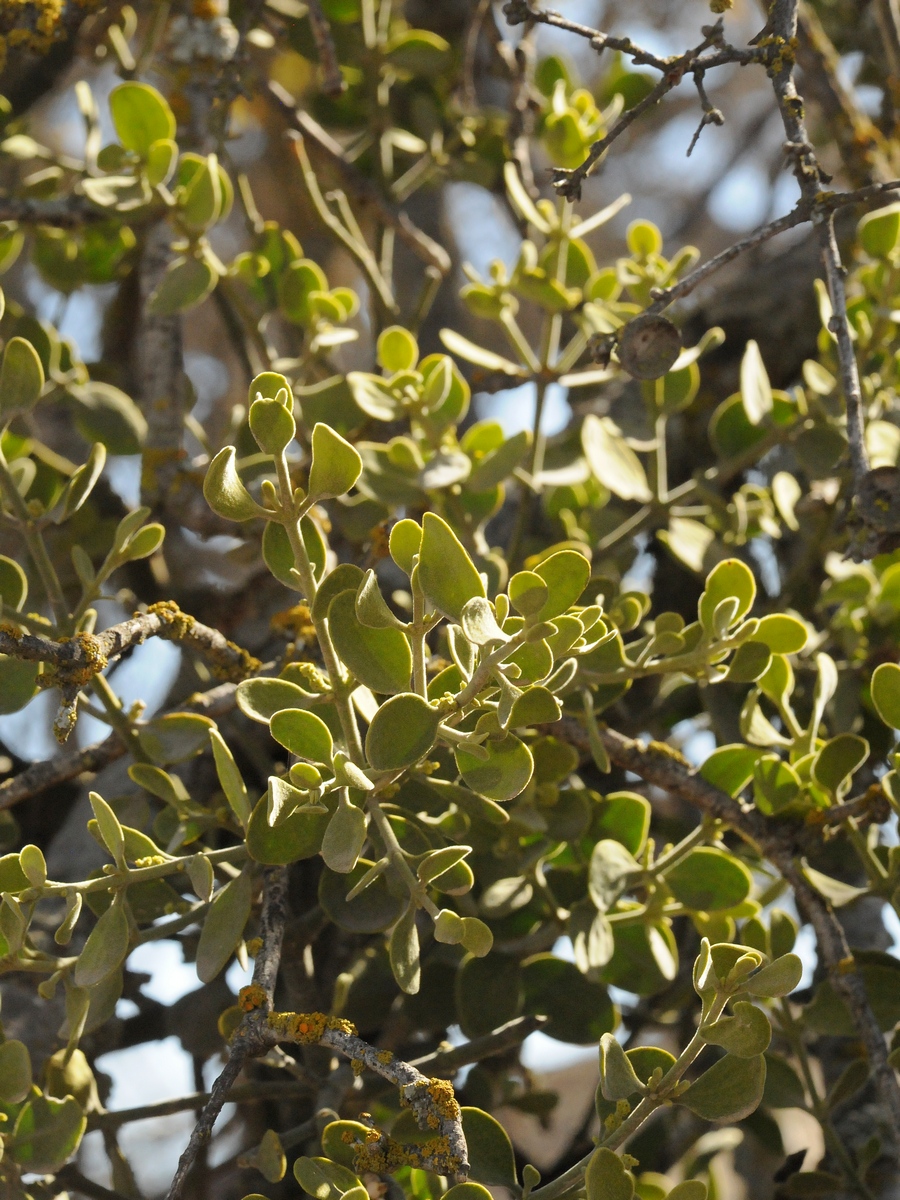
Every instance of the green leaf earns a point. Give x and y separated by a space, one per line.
175 737
467 1191
261 699
503 774
105 949
709 880
879 231
730 1090
730 767
527 592
778 978
225 492
537 706
396 349
13 584
223 926
498 464
105 414
18 682
756 391
491 1157
297 837
580 1010
186 283
230 778
783 1088
272 425
689 1189
345 836
607 1178
479 623
886 693
446 573
782 633
346 577
746 1033
141 116
618 1080
405 540
336 464
379 658
624 816
371 911
109 827
21 377
776 785
729 579
371 606
610 868
463 348
15 1072
566 574
81 484
402 731
837 761
161 161
403 950
612 461
47 1133
750 662
304 734
324 1179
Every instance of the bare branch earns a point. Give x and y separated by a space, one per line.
332 79
42 776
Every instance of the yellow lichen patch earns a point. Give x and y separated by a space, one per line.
252 996
384 1056
296 622
306 1028
357 1066
180 623
385 1156
438 1096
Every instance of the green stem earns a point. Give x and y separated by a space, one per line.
339 683
398 858
36 547
417 637
573 1179
662 471
118 717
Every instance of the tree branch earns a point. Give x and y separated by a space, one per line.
75 661
252 1037
41 776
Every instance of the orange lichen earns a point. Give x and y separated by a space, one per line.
306 1028
252 996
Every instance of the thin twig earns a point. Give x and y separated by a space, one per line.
506 1037
53 772
332 79
251 1038
321 142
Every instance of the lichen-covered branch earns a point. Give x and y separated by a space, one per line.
74 662
252 1037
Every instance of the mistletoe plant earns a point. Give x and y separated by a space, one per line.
446 789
